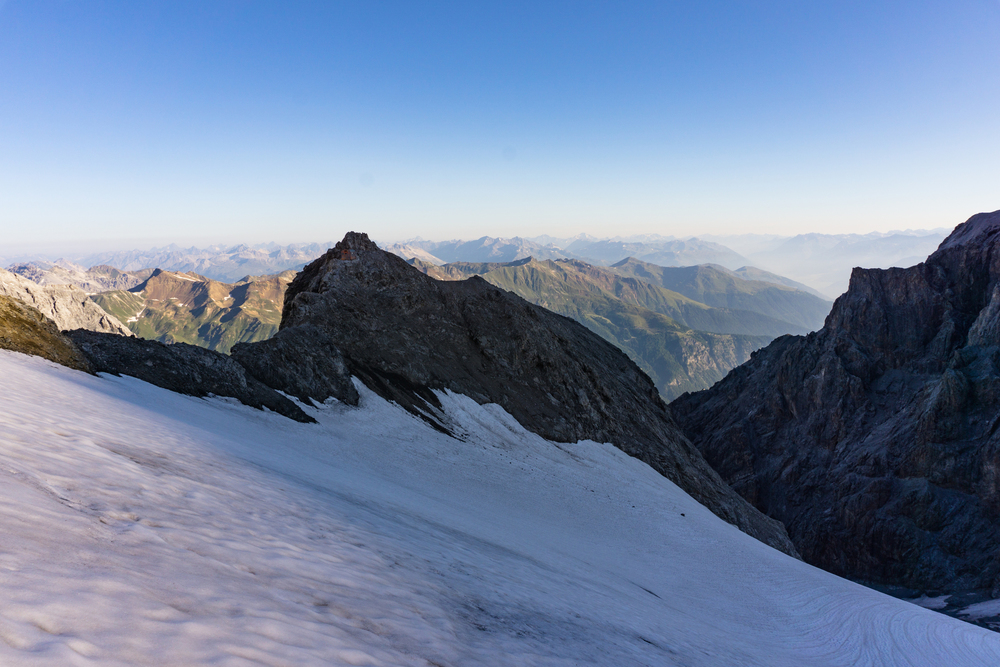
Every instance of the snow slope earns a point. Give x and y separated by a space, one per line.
140 527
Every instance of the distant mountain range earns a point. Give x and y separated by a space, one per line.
820 263
823 262
96 279
485 249
222 263
679 341
656 250
686 326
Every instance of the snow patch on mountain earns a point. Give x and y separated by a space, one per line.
145 527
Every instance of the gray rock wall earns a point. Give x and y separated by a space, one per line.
875 440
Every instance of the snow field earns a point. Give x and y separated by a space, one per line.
142 527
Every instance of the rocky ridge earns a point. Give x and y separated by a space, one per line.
405 335
186 369
66 305
875 440
681 344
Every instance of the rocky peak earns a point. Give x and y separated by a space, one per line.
875 440
406 335
981 229
921 314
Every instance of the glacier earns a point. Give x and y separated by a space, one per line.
143 527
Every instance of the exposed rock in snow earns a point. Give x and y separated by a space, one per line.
183 368
143 527
66 305
302 362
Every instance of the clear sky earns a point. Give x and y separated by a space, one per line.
290 121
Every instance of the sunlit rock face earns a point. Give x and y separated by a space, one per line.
875 439
66 305
406 335
23 329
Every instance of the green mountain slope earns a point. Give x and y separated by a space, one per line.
719 287
189 308
557 284
676 356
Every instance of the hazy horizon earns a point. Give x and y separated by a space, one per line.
50 251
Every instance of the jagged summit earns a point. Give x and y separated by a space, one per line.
981 228
405 335
876 440
356 241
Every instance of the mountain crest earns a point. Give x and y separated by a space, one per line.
981 228
875 440
406 335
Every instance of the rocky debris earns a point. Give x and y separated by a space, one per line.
66 305
405 334
23 329
875 440
302 362
182 368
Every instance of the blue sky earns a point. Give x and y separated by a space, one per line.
254 121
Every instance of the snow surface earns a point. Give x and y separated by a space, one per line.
142 527
982 610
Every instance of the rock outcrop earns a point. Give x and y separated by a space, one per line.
405 334
302 362
23 329
875 440
66 305
182 368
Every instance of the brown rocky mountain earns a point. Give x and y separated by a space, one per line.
875 440
174 307
405 334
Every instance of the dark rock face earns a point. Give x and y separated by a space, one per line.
301 361
404 334
875 439
183 368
